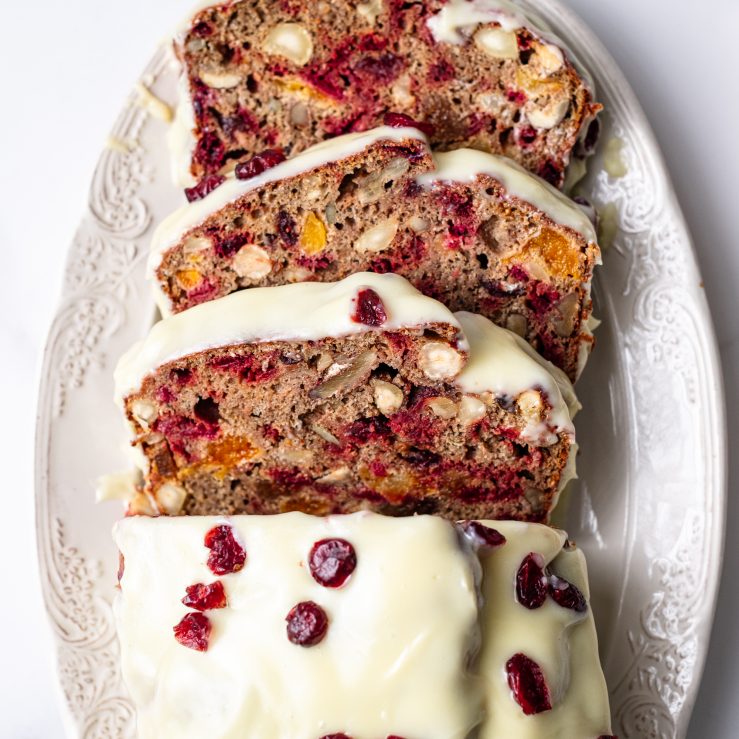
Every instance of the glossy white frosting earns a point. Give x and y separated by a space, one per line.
395 658
501 362
181 139
456 21
561 641
305 311
393 661
333 150
464 165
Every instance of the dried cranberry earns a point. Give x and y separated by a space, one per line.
202 29
204 187
203 597
369 309
193 631
531 582
306 624
485 537
226 554
210 151
259 163
384 68
401 120
527 135
516 96
565 594
550 172
442 71
336 736
527 682
286 228
332 561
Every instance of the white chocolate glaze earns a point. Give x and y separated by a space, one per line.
332 150
305 311
181 139
464 165
456 21
561 641
501 362
399 654
401 631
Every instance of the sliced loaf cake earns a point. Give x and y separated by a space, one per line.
335 397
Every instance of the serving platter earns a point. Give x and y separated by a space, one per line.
648 509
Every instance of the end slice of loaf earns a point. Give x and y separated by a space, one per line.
471 229
336 397
259 74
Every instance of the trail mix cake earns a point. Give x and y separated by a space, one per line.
271 627
263 74
334 397
468 228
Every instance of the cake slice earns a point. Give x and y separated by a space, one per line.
334 397
357 626
471 229
266 74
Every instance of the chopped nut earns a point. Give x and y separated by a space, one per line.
530 405
296 274
187 279
418 224
568 311
252 262
299 115
171 498
325 360
196 244
497 43
313 235
325 434
142 505
372 187
550 58
548 115
338 475
220 80
401 92
370 10
290 454
143 411
347 378
439 361
517 323
388 397
378 237
471 409
290 40
442 407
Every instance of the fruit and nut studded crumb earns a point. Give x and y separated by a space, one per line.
263 74
472 244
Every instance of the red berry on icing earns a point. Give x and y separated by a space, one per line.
193 631
226 554
332 561
565 594
484 537
401 120
203 597
204 187
306 624
531 582
369 308
527 682
336 736
259 163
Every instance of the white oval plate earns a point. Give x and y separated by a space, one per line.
649 508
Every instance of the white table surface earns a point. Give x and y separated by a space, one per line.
65 69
